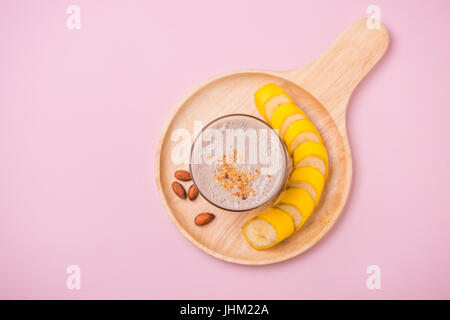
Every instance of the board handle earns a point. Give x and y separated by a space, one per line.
333 76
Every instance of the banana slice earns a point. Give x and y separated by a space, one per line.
275 102
292 211
268 228
284 116
300 132
312 154
268 98
298 199
309 179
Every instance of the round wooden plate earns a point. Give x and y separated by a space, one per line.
322 89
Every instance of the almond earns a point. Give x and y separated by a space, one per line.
204 218
183 175
179 190
192 192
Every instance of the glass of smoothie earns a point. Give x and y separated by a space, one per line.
238 162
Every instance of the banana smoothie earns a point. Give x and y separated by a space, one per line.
238 163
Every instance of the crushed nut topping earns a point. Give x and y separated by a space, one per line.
231 178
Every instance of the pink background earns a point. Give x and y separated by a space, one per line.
81 113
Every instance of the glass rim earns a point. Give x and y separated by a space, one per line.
237 115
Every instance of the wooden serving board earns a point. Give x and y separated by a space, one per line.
322 89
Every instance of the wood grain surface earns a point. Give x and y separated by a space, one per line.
322 89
